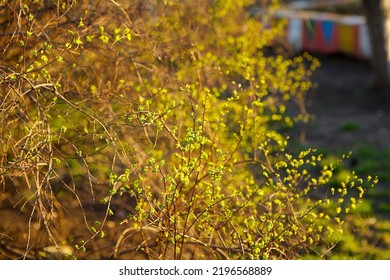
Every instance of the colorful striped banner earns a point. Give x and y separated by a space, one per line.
327 33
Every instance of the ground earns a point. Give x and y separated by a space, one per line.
347 111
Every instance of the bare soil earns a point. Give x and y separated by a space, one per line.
347 111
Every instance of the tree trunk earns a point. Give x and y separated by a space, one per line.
378 20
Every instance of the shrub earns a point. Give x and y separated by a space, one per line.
168 114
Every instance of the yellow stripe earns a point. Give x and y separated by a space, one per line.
347 38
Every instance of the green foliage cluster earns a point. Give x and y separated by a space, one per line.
177 105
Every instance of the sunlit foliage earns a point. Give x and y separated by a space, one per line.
181 106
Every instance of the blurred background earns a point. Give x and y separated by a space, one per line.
350 111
